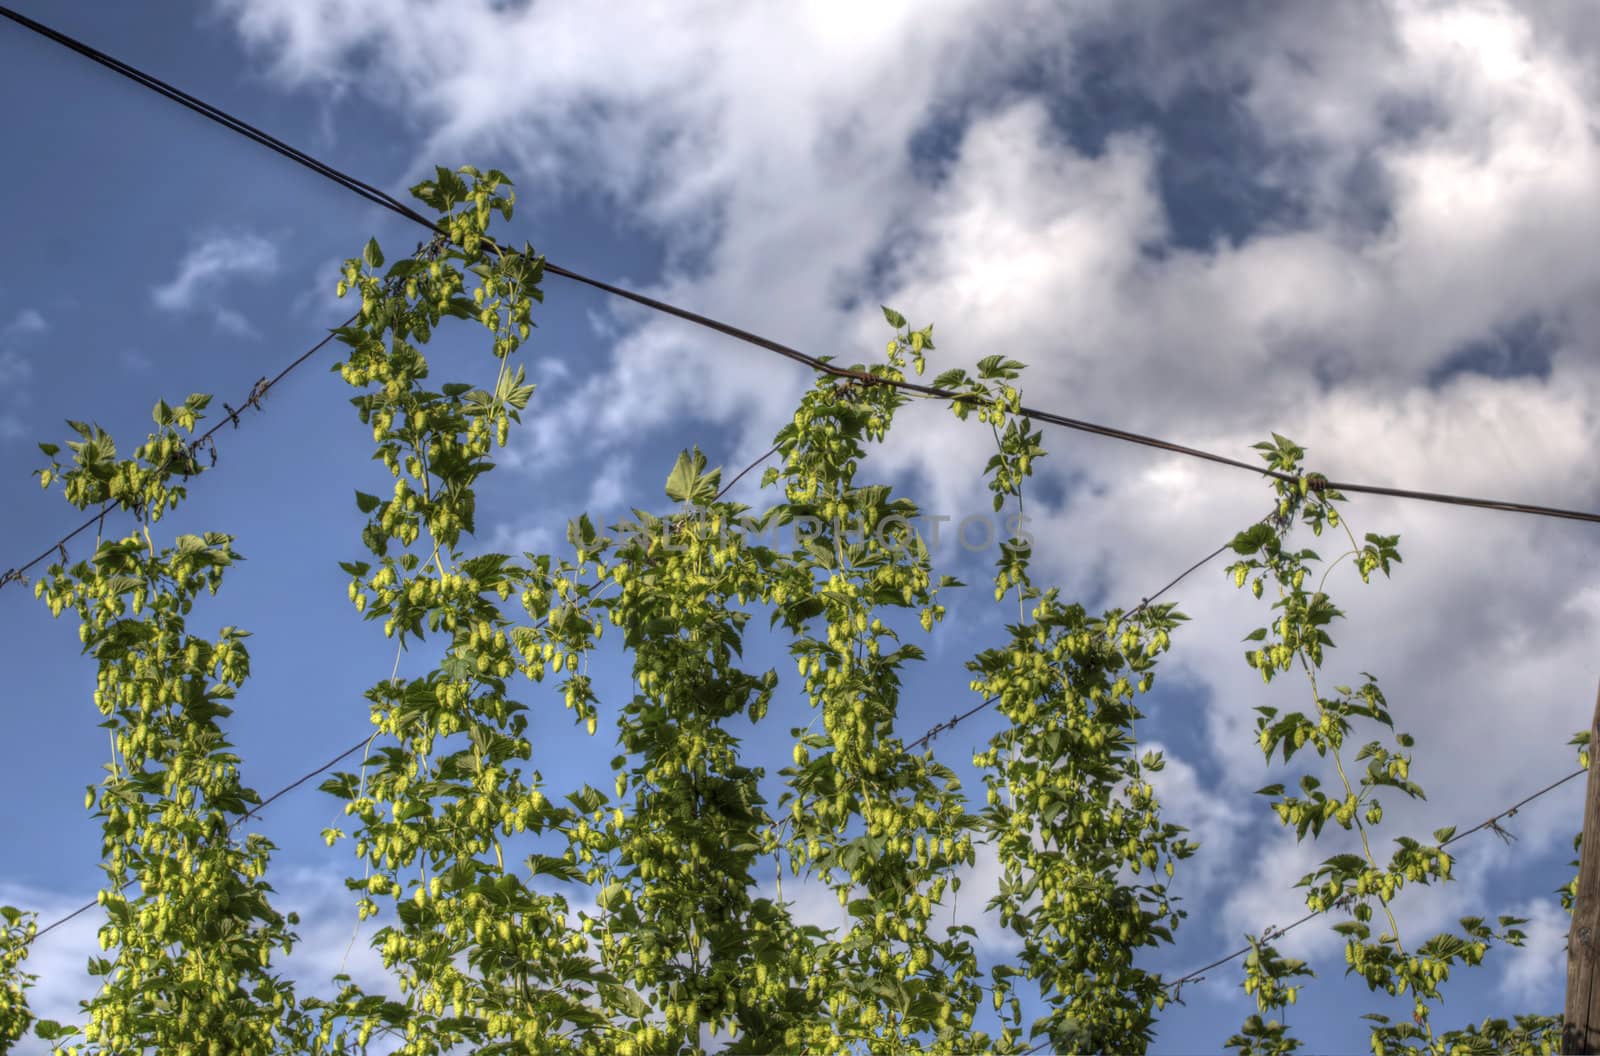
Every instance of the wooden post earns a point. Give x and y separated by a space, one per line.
1581 1032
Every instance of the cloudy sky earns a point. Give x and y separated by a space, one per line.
1367 226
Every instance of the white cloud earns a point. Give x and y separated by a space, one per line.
317 297
608 491
1216 822
810 902
332 940
520 538
550 369
1535 973
233 324
27 321
13 368
208 266
210 263
16 370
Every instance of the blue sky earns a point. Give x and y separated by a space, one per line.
1369 227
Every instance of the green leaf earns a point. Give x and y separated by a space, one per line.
609 896
580 533
624 998
685 475
998 367
895 319
50 1030
341 785
1251 539
372 254
367 503
427 192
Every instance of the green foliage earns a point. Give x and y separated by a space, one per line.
1261 1037
17 930
1299 636
191 946
1070 812
639 920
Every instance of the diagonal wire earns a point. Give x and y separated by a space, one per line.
1144 603
252 812
729 486
252 399
205 109
387 201
1273 934
1492 823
